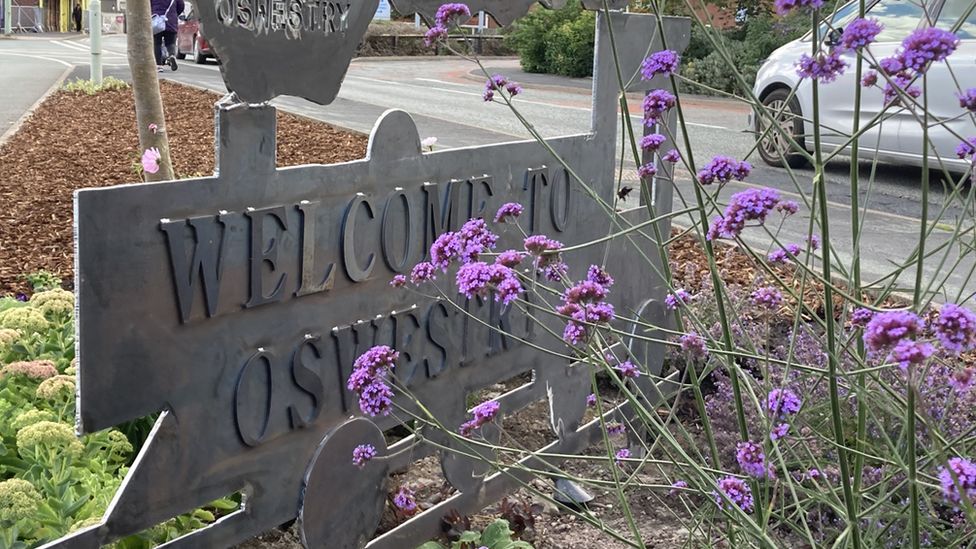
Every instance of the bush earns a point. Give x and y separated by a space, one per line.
555 41
88 87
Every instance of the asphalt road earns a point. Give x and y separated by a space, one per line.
444 96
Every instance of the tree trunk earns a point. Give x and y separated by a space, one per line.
145 86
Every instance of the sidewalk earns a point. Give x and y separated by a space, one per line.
33 79
45 36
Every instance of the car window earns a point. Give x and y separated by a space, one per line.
898 18
952 12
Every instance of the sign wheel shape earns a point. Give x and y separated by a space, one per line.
332 478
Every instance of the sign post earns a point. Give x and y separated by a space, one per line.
95 39
235 305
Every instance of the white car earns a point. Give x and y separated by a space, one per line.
897 137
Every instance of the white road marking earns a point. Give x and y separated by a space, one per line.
441 82
65 63
76 47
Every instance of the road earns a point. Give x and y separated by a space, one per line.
444 96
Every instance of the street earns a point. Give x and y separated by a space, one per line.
443 95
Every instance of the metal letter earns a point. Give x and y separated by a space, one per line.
353 270
261 254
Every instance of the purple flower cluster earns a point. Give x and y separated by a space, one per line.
465 245
782 403
677 487
398 281
779 431
652 142
956 328
965 473
656 103
647 170
785 6
368 380
783 254
362 454
736 490
509 258
745 206
967 100
628 369
908 353
508 210
616 429
966 148
672 156
767 297
678 298
963 379
861 316
888 328
724 169
900 81
404 500
824 67
927 45
497 83
548 260
664 62
694 345
480 414
788 207
584 305
481 279
752 460
446 14
621 455
591 400
422 272
859 33
869 79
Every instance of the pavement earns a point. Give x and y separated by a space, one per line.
444 97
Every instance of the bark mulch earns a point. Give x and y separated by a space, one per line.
75 140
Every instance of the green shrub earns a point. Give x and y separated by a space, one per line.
569 47
88 87
497 535
532 38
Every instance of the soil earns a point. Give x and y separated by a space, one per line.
76 140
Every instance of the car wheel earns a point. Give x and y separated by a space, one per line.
198 57
179 53
774 148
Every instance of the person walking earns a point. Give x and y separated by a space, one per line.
76 15
164 42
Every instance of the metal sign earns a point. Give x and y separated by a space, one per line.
235 305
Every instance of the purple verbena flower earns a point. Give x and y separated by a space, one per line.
362 454
814 241
509 258
859 33
652 142
782 403
627 369
869 79
478 279
656 103
861 316
621 455
964 483
966 148
694 345
824 67
891 65
779 431
434 35
785 6
788 207
887 328
956 328
679 297
480 415
585 291
900 82
508 210
448 12
513 89
724 169
664 62
445 249
376 398
404 500
963 379
598 275
752 460
745 206
767 297
677 487
967 99
591 400
647 170
475 238
423 272
616 429
736 490
927 45
398 281
908 353
672 156
547 258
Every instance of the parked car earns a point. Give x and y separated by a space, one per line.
189 38
898 137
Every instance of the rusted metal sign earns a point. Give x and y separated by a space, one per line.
236 305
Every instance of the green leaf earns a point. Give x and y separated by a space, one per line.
497 535
431 545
